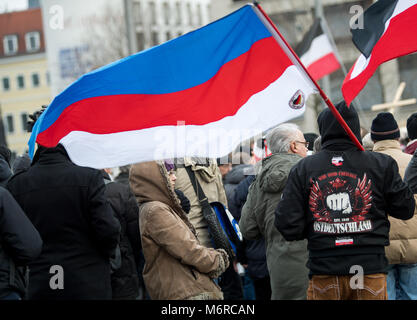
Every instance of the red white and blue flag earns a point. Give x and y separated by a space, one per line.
387 31
186 97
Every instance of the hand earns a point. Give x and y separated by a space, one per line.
339 202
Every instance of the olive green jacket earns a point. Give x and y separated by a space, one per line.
286 260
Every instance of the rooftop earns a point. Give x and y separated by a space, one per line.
16 38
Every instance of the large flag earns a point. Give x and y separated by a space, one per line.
197 95
316 52
387 33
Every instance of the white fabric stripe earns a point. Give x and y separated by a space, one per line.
401 6
360 65
320 46
261 112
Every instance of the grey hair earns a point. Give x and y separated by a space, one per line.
367 142
280 138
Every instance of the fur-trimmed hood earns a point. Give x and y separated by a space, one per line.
149 182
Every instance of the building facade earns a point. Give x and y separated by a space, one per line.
24 79
157 21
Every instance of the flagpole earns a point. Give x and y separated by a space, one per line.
326 30
322 94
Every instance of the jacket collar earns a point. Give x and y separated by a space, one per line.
54 155
342 144
386 144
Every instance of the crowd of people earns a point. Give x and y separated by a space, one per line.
315 214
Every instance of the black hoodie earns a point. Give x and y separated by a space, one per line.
339 198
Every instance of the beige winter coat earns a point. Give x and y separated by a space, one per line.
210 180
403 233
176 265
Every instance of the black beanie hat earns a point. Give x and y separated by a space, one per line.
384 127
330 129
412 126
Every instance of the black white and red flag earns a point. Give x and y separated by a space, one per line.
388 32
316 52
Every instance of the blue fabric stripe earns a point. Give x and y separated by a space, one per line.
176 65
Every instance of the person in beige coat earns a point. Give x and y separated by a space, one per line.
402 251
177 266
209 176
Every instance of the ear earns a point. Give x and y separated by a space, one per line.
293 147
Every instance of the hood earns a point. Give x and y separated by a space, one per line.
330 129
238 173
149 182
275 170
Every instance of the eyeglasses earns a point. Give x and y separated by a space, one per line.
306 143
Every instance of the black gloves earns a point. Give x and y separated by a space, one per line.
33 117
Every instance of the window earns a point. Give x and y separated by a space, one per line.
24 117
10 44
141 41
190 14
199 15
137 12
154 38
178 12
6 84
152 10
20 82
9 123
33 42
48 78
168 35
35 80
166 13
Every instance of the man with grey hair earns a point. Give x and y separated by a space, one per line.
286 260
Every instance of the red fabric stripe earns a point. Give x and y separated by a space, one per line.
323 66
213 100
395 42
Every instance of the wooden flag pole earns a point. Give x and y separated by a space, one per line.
322 94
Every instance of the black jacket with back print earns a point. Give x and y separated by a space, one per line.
339 198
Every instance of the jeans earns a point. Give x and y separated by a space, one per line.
330 287
248 288
402 282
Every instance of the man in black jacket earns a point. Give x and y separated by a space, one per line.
5 171
338 199
67 205
20 243
125 281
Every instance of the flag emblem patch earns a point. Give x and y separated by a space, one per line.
337 161
297 100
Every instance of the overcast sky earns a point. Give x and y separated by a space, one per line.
13 5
